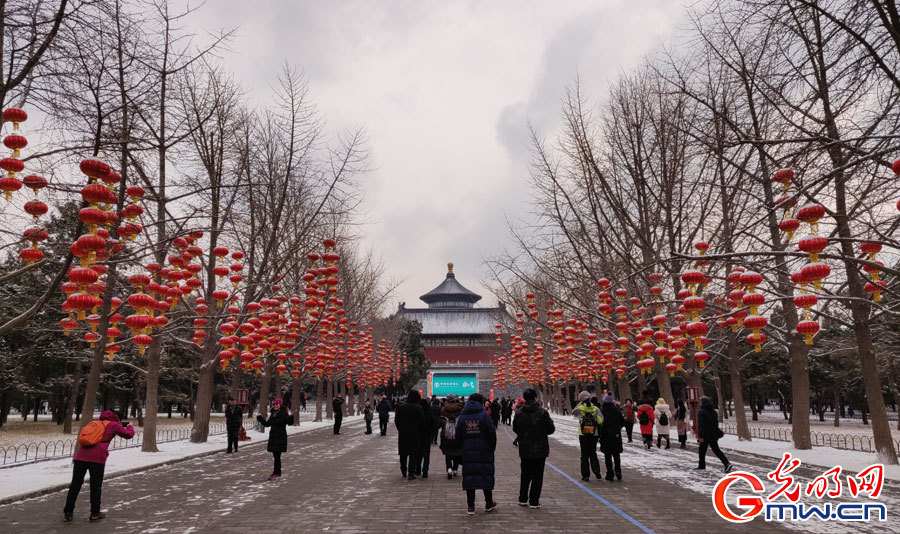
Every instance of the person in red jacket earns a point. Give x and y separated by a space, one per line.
645 417
92 459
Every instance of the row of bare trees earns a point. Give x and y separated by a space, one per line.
684 147
126 82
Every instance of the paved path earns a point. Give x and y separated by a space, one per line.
352 483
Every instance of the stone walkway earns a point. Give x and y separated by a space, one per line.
352 483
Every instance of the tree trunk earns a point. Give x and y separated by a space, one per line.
205 388
153 357
329 407
265 387
296 384
73 398
664 383
279 392
754 410
319 394
720 396
624 387
743 430
93 383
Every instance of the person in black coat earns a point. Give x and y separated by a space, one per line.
611 437
278 421
384 414
434 411
506 410
411 430
425 444
233 419
477 436
495 412
337 405
532 425
708 427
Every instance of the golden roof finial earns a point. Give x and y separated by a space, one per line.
450 267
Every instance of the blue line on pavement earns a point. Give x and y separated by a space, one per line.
590 492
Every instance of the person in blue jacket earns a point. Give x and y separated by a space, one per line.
477 436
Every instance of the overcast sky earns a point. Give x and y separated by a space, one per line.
444 90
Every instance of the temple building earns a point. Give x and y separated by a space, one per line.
458 337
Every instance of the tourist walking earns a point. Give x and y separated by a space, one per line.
611 437
681 422
663 417
234 415
93 450
384 414
645 418
506 410
337 406
629 418
589 421
478 440
708 422
532 425
411 429
425 443
302 401
368 415
278 420
450 412
434 411
495 413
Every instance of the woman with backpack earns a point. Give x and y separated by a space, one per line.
681 423
629 418
93 450
278 421
449 445
645 417
708 423
663 415
477 438
589 421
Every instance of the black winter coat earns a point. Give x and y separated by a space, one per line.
495 411
337 404
532 425
233 418
430 425
434 411
383 408
278 422
478 439
411 427
708 421
611 429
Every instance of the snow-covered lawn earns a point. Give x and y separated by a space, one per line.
17 432
25 480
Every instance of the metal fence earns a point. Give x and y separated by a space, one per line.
837 440
62 448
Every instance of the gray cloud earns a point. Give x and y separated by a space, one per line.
444 90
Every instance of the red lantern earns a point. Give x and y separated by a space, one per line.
15 116
812 245
701 358
816 272
810 214
808 329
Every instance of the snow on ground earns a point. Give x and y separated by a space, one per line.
17 432
677 466
23 480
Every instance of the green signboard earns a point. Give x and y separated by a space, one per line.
462 384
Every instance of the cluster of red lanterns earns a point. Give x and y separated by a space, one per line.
9 184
